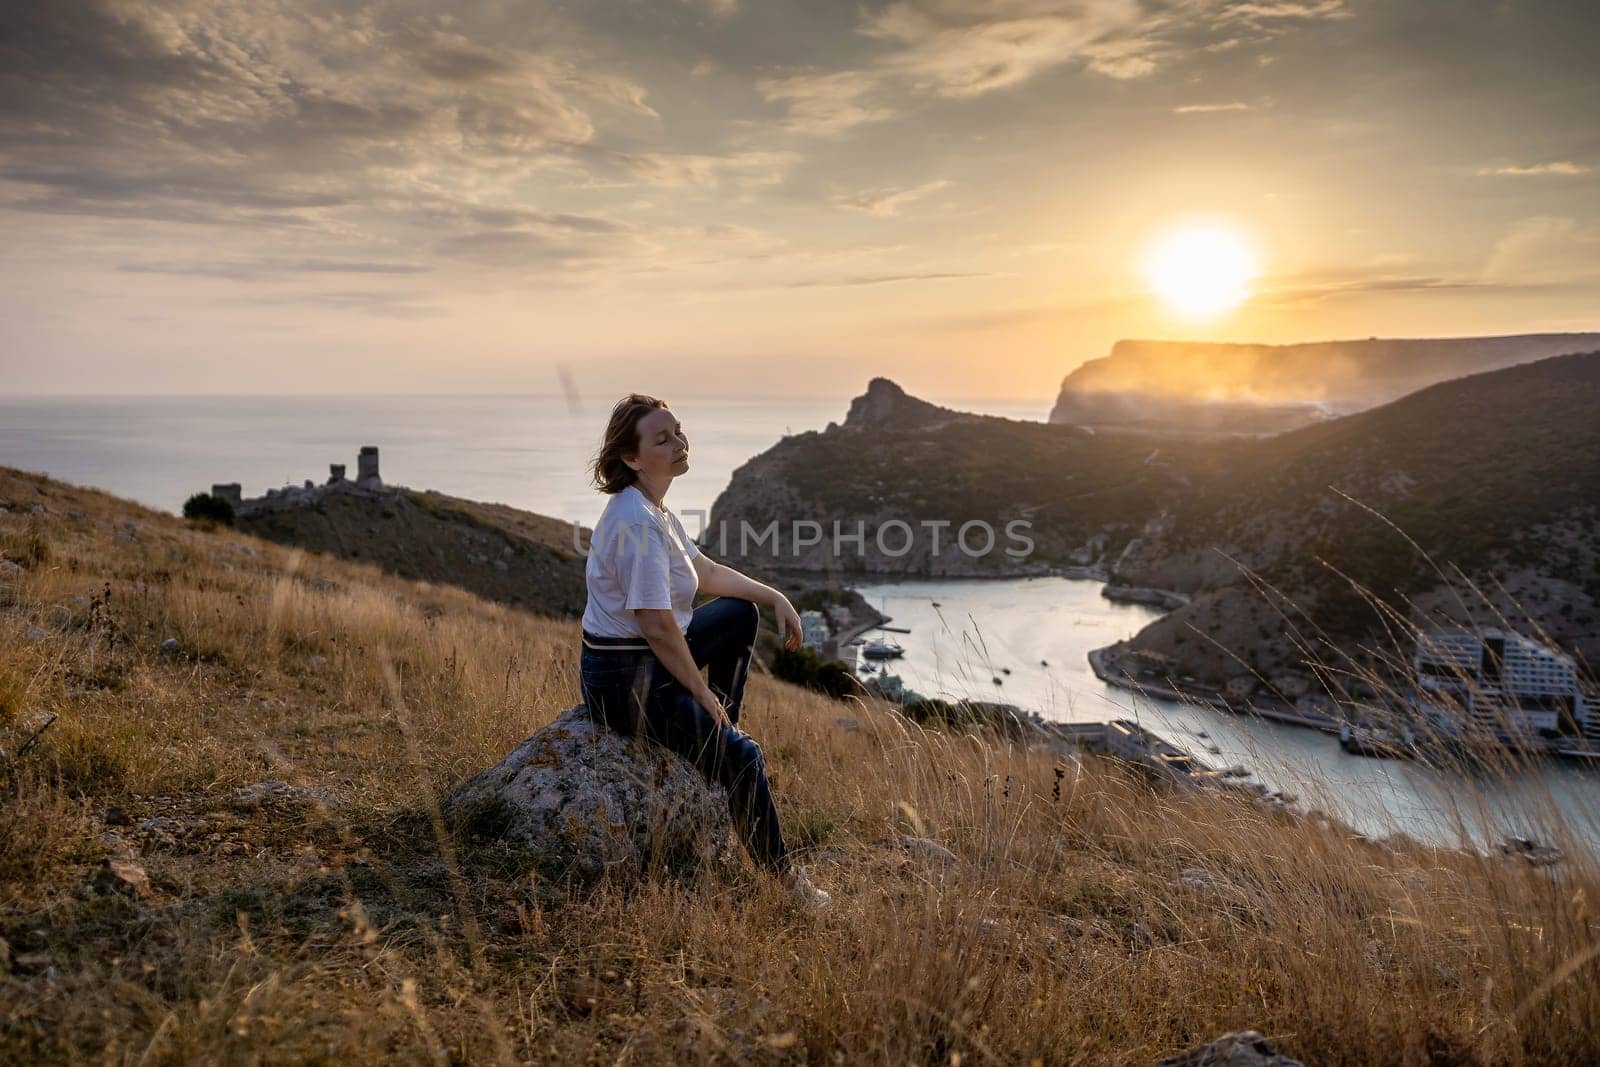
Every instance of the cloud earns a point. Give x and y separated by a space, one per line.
881 279
886 201
719 9
257 270
346 121
1317 292
967 48
740 169
826 103
1207 109
1561 167
1549 249
388 305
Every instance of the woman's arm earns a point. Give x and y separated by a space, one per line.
719 579
660 630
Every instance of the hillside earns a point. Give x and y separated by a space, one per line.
1494 477
496 551
897 458
226 849
1208 388
1497 474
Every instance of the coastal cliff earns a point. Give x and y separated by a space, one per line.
909 477
1219 389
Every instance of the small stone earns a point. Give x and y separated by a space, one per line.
116 844
1246 1049
318 662
170 646
927 848
31 961
283 794
1137 935
117 817
35 633
501 565
160 824
9 569
37 509
847 723
123 876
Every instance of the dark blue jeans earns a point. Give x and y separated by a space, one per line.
633 693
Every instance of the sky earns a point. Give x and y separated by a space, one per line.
703 197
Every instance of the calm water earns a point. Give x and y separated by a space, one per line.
526 451
964 632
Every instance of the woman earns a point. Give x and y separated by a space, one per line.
644 642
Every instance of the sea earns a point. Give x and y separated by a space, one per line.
531 452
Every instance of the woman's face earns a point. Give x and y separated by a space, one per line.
663 449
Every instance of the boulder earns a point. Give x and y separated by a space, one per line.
1245 1049
589 802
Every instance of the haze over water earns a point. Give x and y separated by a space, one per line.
526 451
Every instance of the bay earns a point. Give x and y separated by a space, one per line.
967 633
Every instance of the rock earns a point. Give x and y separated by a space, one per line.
1137 935
35 633
117 845
117 817
1245 1049
927 848
122 875
31 961
9 569
847 723
318 662
170 646
273 793
590 802
160 825
1198 879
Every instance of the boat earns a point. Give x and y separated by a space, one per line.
1359 739
882 649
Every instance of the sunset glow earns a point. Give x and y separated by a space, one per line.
1201 272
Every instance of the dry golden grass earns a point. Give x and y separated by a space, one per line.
360 932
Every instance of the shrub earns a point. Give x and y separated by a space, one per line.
207 508
803 667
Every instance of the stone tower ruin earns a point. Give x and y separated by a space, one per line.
367 468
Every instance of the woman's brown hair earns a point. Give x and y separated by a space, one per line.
609 473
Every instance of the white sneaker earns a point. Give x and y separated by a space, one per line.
807 894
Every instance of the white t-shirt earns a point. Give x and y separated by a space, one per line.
639 557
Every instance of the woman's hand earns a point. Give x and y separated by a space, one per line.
708 700
789 629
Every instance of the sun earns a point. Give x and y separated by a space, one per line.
1199 272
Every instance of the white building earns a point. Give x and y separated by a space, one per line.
814 629
1503 681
